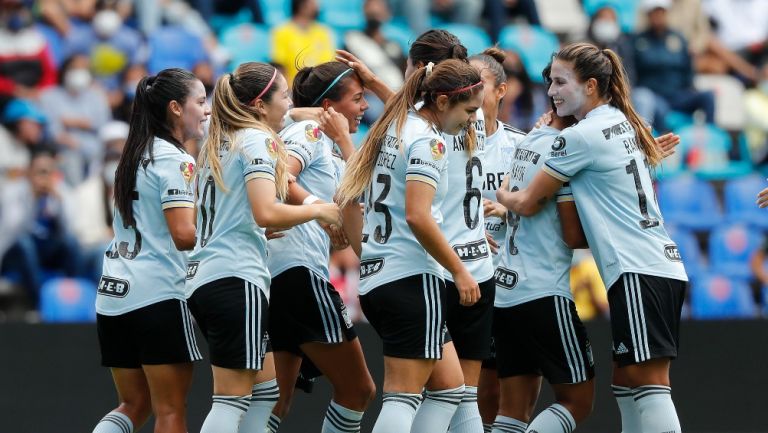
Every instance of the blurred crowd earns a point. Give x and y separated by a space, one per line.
69 68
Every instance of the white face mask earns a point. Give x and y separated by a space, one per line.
605 31
106 23
77 80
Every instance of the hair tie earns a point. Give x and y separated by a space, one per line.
463 89
430 65
271 80
330 86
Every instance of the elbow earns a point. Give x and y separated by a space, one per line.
184 238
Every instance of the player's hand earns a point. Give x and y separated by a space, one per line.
299 114
762 198
492 243
667 143
544 120
275 232
469 290
492 208
338 239
328 213
357 65
334 124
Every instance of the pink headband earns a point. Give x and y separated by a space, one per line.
463 89
272 80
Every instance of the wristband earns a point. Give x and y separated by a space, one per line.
310 199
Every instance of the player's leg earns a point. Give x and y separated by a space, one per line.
488 394
264 396
645 320
168 387
134 408
444 392
470 328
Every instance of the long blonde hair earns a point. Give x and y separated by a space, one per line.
232 111
605 66
449 77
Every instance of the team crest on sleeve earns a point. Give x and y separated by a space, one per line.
271 147
437 148
187 171
312 133
559 143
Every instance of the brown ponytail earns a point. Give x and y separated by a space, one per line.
445 78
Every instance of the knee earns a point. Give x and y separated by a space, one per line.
368 392
138 409
580 408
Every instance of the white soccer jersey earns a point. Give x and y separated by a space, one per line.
535 261
462 209
497 160
390 249
142 265
614 194
229 242
307 244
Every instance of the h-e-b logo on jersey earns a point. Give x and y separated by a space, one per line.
114 287
472 250
558 147
192 269
672 253
370 267
505 278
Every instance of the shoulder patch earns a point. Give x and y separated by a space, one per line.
559 143
271 147
312 133
187 171
437 148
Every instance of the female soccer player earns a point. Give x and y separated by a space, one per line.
468 326
401 169
307 314
145 330
606 158
243 173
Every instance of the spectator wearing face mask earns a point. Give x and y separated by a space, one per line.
111 45
76 109
26 65
605 31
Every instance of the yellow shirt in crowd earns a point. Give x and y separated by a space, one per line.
311 46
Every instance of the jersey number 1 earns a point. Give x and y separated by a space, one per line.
647 222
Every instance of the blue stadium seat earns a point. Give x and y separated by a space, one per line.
398 31
342 15
731 247
689 249
740 195
534 44
164 52
247 43
707 149
68 300
474 38
689 203
56 43
720 297
220 23
275 11
626 10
